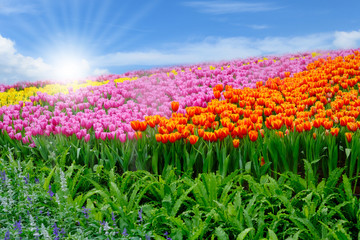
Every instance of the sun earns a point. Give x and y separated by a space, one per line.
68 62
69 67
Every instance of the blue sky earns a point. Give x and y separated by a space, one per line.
52 39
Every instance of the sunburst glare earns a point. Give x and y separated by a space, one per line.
69 67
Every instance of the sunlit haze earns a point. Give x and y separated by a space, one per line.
72 39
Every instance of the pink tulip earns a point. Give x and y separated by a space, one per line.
103 136
87 138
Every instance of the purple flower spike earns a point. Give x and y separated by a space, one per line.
50 192
140 215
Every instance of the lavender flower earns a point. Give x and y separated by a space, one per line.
50 192
7 234
63 232
140 215
147 237
124 233
86 212
113 218
17 226
3 175
166 234
37 180
56 231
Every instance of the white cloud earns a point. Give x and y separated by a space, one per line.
99 71
347 39
16 67
217 49
225 7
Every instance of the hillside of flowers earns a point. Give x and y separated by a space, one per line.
264 147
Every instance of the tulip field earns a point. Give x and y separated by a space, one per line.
256 148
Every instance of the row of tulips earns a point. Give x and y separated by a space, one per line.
306 112
106 111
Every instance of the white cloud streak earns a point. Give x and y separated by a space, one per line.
8 7
258 27
217 49
226 7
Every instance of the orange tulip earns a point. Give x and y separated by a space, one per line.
164 138
172 137
262 133
138 135
343 121
170 127
213 137
193 139
234 117
262 161
174 106
334 131
276 124
162 130
236 143
253 135
158 137
289 121
254 118
348 136
151 123
317 123
185 133
243 129
217 94
279 133
300 127
215 124
219 87
327 124
201 132
352 126
135 125
267 111
307 126
314 135
143 126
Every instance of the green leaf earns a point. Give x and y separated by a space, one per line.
347 187
180 201
347 152
154 161
272 235
244 233
48 179
221 234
